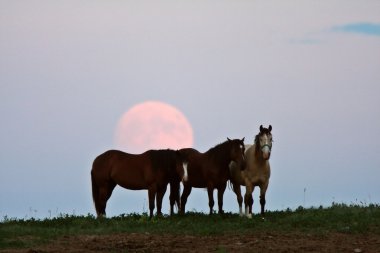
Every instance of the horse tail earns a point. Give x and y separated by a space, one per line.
230 185
175 197
178 198
95 193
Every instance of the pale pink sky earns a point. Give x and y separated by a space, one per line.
70 69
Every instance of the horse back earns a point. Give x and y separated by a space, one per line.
164 164
188 153
131 171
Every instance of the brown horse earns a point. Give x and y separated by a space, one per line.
151 170
256 173
210 170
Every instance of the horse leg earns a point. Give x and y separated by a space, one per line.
210 191
151 196
101 202
185 195
248 200
263 191
103 194
174 196
262 203
221 190
237 191
160 196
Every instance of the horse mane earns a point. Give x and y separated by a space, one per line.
217 150
257 142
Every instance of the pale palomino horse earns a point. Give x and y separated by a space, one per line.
256 173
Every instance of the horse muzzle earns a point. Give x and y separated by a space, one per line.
266 149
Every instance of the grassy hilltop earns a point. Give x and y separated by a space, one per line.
340 218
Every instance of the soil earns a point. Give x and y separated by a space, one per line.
268 242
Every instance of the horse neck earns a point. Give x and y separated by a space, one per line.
258 157
220 154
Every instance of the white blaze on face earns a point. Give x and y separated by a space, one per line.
265 144
185 175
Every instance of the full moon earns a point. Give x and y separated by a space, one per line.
153 125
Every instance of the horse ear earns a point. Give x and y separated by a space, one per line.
270 128
261 128
242 140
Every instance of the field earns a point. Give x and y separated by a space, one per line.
339 228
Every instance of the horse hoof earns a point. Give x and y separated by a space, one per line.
249 216
241 214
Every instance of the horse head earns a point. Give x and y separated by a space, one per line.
263 142
237 153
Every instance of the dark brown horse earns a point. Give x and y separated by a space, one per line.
151 170
210 170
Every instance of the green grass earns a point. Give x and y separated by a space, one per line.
17 233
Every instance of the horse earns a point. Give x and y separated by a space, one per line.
256 173
210 170
151 170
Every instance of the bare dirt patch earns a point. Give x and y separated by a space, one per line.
267 242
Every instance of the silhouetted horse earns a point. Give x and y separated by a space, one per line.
151 170
256 173
210 170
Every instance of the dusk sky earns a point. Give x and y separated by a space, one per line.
69 70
